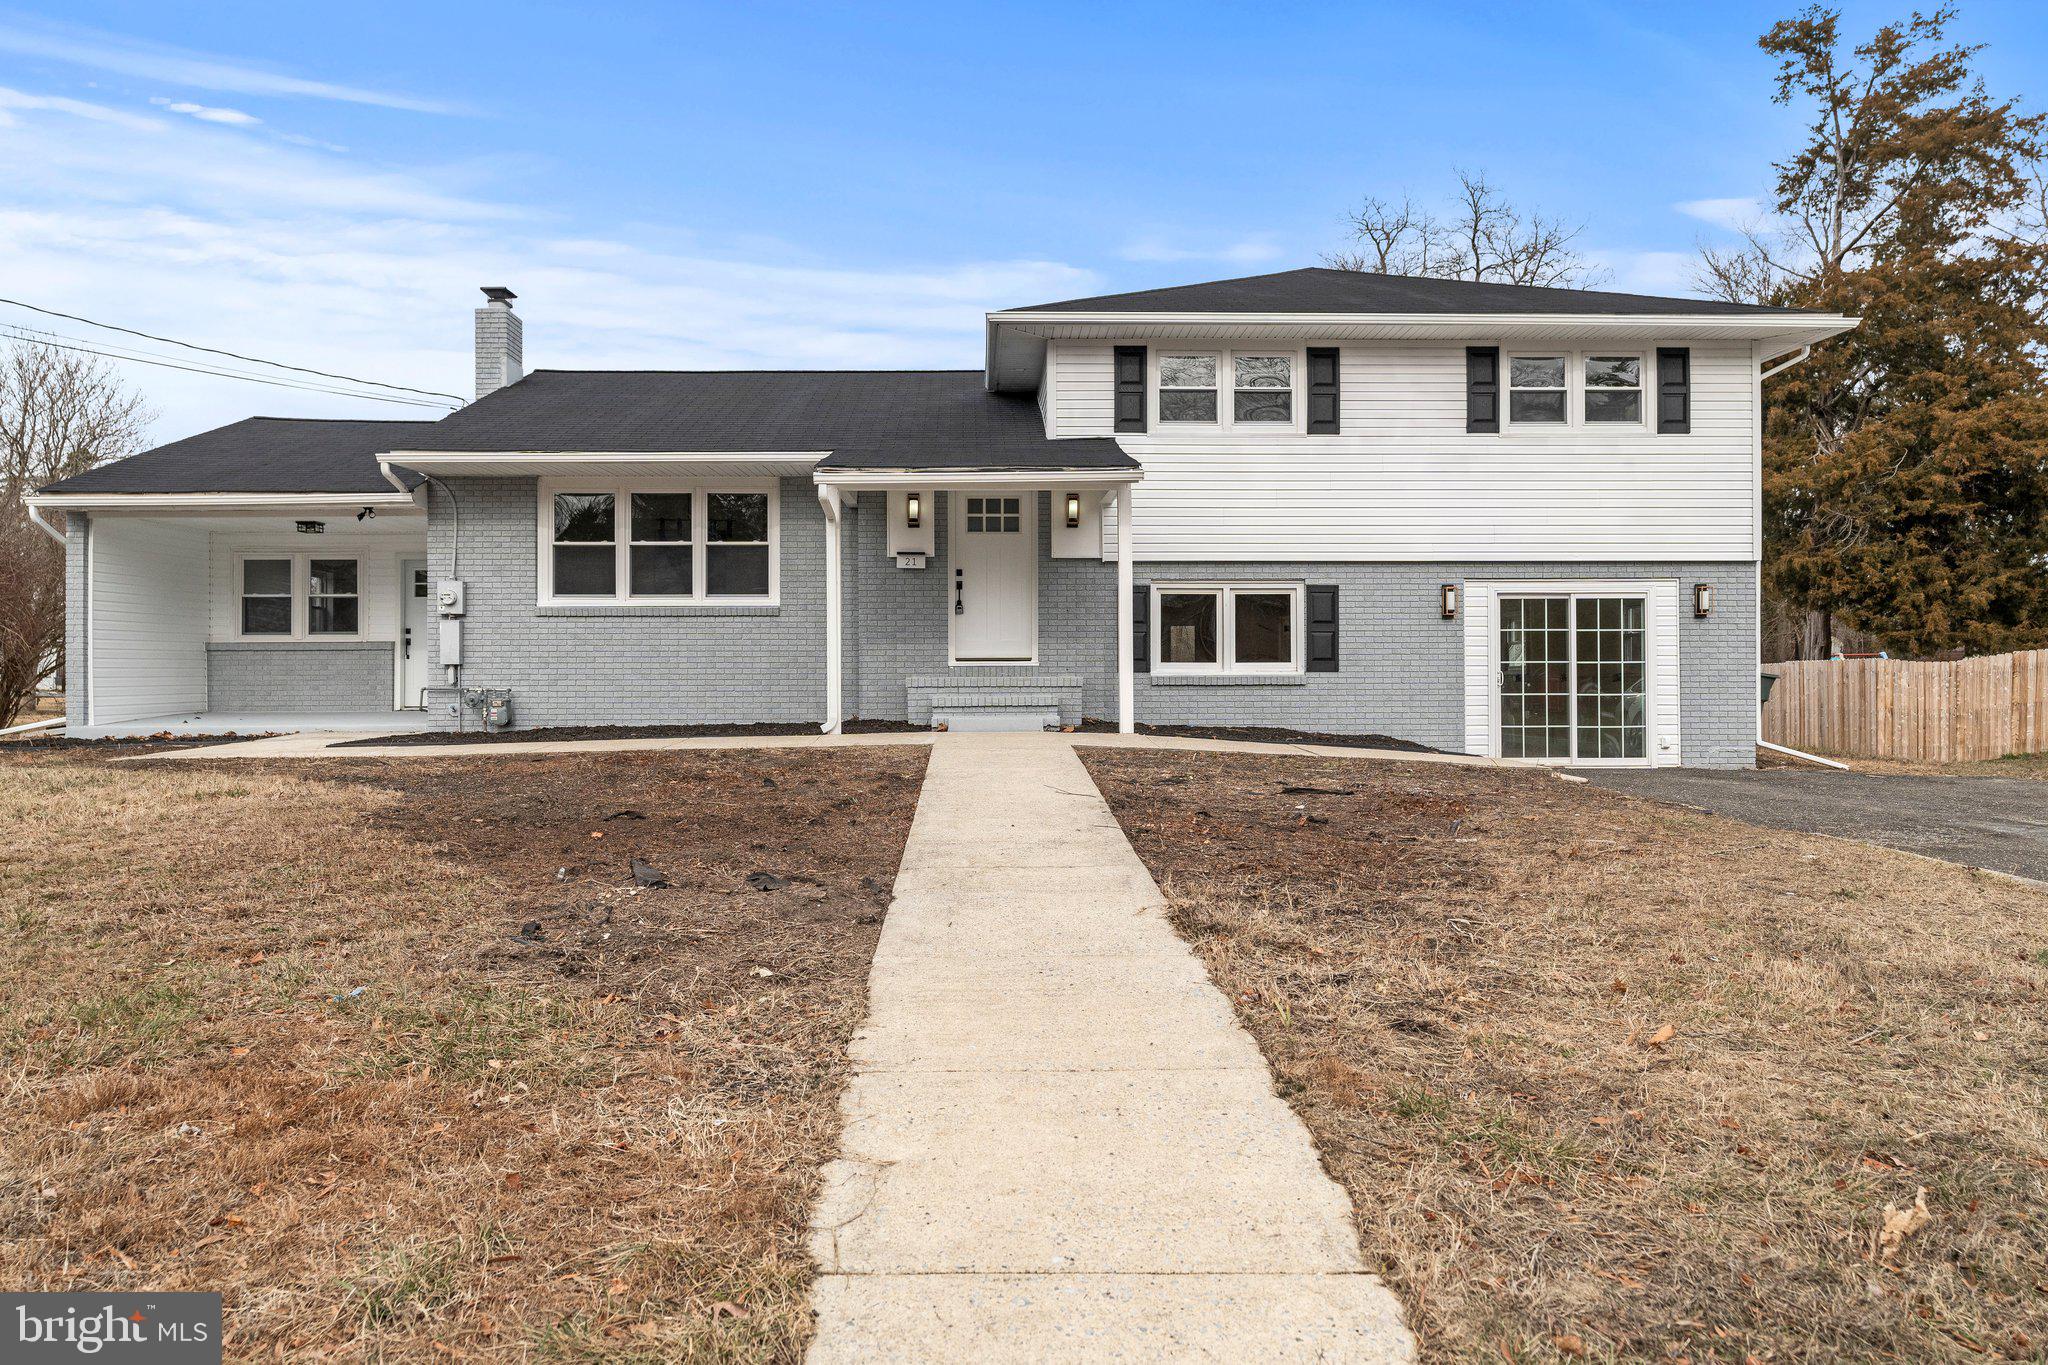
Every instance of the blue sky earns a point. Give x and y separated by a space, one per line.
682 185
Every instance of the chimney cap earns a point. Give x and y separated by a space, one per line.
498 293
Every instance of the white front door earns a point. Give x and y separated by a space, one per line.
416 618
993 548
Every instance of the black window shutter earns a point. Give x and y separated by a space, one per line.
1322 391
1141 628
1482 388
1130 388
1322 629
1674 390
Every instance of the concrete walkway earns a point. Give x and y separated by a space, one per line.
1059 1144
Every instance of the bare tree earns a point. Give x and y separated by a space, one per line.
60 413
1480 237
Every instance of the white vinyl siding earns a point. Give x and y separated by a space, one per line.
1406 482
147 635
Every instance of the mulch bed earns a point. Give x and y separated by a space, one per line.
548 733
1265 734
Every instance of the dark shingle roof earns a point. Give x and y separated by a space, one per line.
1323 290
868 419
259 455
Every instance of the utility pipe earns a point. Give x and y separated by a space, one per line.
34 725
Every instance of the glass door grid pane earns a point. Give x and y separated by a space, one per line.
1577 690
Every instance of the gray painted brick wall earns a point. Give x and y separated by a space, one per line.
626 666
293 678
1401 665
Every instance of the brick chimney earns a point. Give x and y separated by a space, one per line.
498 341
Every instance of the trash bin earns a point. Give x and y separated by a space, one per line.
1768 679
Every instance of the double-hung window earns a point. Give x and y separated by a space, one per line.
1614 389
1226 628
656 544
1259 385
1537 393
297 596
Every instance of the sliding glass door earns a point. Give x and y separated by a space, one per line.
1574 678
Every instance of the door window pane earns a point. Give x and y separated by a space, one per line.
1613 678
1263 627
1187 628
1534 659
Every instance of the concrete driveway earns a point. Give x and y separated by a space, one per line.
1989 822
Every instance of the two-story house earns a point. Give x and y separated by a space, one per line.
1500 520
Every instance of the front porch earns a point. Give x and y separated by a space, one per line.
246 614
979 599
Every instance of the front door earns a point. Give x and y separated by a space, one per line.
994 552
416 618
1574 678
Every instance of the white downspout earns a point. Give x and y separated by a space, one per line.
1126 681
1797 357
828 499
35 514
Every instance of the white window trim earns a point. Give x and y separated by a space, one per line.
1641 390
1226 388
1226 627
301 594
621 491
1574 389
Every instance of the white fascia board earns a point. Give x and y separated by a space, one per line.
219 502
1449 323
424 460
979 478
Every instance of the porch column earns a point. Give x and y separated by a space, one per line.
1126 682
828 498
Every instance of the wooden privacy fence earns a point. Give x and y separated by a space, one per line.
1951 712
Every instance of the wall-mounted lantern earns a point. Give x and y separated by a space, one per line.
913 510
1702 598
1073 511
1447 600
310 528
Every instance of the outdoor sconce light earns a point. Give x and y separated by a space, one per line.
310 528
1449 595
913 510
1073 510
1702 598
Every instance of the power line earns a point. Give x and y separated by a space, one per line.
232 355
116 351
41 339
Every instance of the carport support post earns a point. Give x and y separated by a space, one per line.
1126 679
828 498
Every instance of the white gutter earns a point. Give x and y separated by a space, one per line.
215 502
34 725
969 478
1445 322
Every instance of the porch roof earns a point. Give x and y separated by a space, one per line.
258 455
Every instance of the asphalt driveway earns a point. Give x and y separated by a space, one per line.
1997 823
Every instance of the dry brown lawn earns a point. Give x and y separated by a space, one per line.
397 1056
2031 766
1613 1080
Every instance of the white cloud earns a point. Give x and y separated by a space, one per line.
1648 272
198 231
1733 214
96 113
1251 251
202 71
207 114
